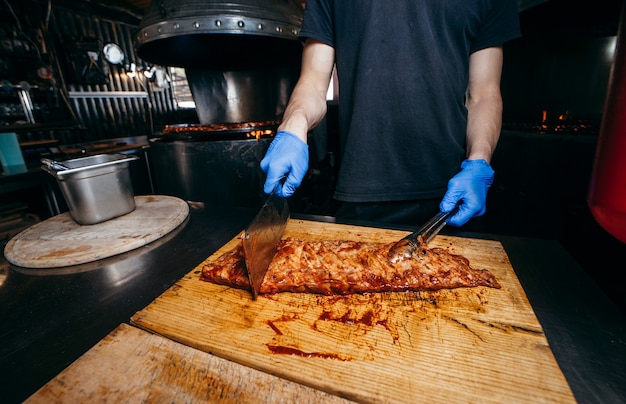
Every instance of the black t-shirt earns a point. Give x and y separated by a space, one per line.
402 68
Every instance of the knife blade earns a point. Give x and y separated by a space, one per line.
260 239
408 245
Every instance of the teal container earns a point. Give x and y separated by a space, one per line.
11 154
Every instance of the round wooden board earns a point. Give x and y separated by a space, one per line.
59 241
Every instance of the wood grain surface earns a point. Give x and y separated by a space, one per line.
462 345
59 241
133 366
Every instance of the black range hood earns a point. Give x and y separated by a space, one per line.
242 58
220 34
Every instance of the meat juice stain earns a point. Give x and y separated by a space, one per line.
331 312
285 350
365 321
339 309
293 351
274 328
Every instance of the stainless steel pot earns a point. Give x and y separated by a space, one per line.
96 188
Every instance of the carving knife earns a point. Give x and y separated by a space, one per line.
408 245
260 239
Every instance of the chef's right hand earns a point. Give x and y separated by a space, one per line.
470 186
287 156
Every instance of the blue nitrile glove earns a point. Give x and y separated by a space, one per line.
287 156
470 185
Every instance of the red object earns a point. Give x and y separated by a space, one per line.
607 190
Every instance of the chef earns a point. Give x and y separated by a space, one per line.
420 107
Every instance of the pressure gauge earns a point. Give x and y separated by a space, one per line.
113 53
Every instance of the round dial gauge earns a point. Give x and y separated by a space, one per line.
113 53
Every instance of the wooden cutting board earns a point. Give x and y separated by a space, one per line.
133 366
59 241
463 345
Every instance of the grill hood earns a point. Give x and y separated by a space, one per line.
242 58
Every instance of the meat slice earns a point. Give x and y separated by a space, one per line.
341 267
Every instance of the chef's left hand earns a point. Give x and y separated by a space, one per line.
470 185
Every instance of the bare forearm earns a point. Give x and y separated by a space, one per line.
483 127
307 105
484 103
305 110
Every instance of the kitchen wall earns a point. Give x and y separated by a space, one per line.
57 89
56 49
